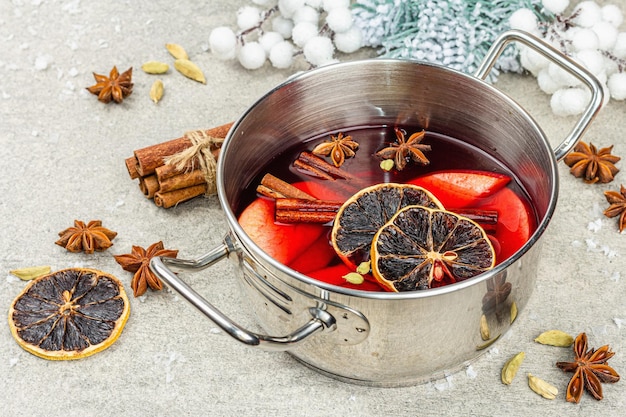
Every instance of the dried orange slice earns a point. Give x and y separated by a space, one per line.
421 248
69 314
363 214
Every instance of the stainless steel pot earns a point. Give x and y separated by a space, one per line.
385 339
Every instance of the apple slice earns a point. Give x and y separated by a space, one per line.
320 191
283 242
462 188
316 256
515 221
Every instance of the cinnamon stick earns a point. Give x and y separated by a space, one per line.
184 180
131 166
149 158
307 158
149 185
294 210
172 198
167 171
274 187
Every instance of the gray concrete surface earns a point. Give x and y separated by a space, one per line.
63 159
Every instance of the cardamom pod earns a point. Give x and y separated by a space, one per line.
189 70
156 91
354 278
513 312
484 328
387 164
176 51
510 368
555 338
31 272
364 268
155 67
542 387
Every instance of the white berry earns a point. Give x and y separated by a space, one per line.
223 42
561 76
546 83
555 6
339 19
349 41
318 50
523 19
306 14
248 17
281 54
251 56
532 60
607 35
269 39
617 85
612 14
591 59
329 5
283 26
288 7
569 101
302 32
588 13
583 38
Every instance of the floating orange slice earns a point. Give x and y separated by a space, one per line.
422 248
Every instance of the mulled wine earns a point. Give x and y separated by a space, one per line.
296 231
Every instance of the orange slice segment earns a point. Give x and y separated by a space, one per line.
422 248
69 314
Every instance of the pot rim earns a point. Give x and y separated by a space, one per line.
252 247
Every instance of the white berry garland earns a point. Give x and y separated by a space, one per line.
590 36
280 31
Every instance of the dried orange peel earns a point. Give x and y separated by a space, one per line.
69 314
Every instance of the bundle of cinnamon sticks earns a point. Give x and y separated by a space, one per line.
169 184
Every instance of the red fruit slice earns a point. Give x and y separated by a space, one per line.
462 188
320 191
515 221
316 256
283 242
334 275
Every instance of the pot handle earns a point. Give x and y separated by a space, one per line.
566 63
320 319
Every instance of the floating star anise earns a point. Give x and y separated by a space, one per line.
591 164
406 149
138 261
88 237
617 206
116 86
590 370
339 148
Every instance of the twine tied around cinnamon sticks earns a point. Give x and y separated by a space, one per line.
201 151
190 171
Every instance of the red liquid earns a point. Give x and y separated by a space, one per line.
306 247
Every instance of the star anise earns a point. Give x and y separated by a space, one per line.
116 86
590 370
88 237
406 149
617 206
339 148
138 261
591 164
